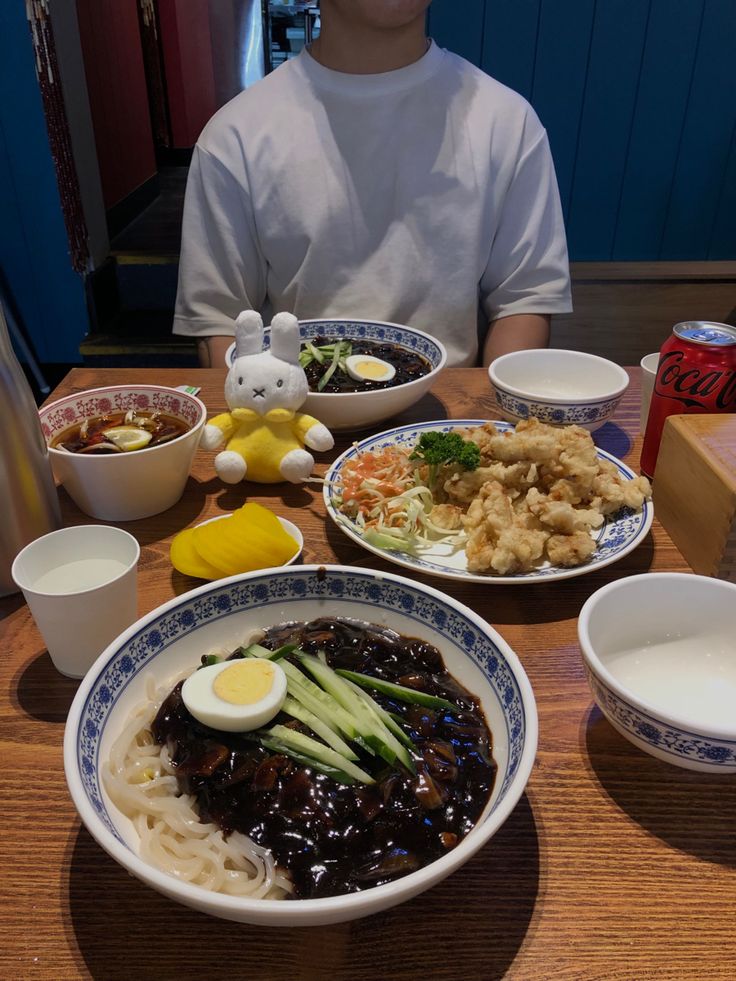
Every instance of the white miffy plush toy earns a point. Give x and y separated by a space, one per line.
263 433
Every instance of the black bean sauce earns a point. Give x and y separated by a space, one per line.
332 838
408 365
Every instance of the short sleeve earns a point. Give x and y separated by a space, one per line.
221 270
528 269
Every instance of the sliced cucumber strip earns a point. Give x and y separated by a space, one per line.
318 751
311 696
278 747
295 709
390 721
399 692
372 729
397 746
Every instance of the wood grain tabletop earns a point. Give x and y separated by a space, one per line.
613 866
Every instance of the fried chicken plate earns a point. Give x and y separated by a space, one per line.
538 494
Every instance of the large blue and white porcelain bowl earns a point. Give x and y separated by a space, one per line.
361 410
561 388
172 639
659 650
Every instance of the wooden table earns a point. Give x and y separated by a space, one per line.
613 866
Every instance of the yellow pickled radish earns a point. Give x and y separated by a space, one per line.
264 527
249 539
252 538
186 559
214 542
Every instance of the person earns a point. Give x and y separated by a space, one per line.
375 176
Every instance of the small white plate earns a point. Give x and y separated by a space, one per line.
619 534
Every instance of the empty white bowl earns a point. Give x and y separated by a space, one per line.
342 411
173 637
132 485
558 387
660 654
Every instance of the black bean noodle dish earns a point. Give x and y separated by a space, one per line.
340 365
318 759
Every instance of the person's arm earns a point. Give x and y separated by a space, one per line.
527 275
221 268
212 350
517 332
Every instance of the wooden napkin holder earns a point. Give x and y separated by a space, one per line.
695 490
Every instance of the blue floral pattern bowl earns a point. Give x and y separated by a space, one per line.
361 410
173 638
561 388
660 656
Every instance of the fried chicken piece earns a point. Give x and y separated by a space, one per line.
447 516
561 516
570 550
531 440
518 550
616 492
491 507
499 537
463 487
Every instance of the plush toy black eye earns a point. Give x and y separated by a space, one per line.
240 381
280 383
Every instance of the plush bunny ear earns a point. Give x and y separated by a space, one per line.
248 333
285 341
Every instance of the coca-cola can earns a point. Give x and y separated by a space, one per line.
696 373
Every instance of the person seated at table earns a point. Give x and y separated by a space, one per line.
375 176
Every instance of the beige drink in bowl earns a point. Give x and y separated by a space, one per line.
80 584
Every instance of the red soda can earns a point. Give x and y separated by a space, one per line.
696 373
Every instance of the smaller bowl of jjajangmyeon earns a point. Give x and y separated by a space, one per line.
301 745
362 372
123 452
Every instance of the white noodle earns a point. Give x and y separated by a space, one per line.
140 780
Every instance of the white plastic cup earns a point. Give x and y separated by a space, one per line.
80 584
648 373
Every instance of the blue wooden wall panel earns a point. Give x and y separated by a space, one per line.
638 98
706 138
510 42
614 70
667 69
34 250
723 233
462 34
565 28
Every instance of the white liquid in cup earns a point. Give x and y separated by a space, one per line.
78 575
80 584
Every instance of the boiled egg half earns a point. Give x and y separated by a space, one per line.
236 696
364 367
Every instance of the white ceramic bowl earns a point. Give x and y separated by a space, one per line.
342 411
558 387
174 636
660 654
125 486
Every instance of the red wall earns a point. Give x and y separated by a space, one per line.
187 52
116 82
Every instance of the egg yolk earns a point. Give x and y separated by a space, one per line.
369 369
244 683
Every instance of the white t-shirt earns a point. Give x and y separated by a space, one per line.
423 196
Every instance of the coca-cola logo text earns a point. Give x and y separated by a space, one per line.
710 388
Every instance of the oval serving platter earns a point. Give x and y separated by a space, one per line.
620 533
